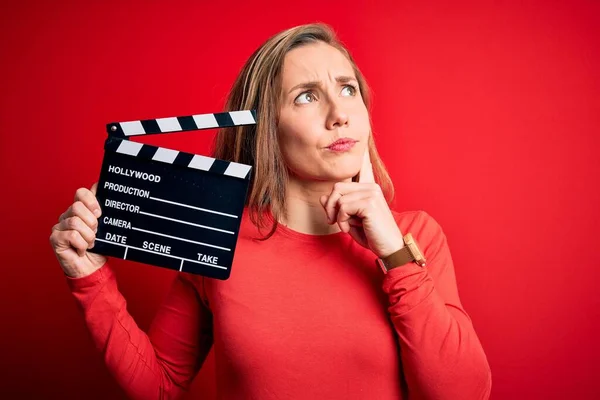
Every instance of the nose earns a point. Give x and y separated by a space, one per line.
336 116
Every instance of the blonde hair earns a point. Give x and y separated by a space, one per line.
257 87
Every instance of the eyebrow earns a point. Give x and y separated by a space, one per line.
316 84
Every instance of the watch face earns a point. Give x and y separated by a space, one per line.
415 251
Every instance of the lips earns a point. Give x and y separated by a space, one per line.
343 141
342 144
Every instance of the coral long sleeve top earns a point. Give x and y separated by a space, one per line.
301 317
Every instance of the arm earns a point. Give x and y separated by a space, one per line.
441 354
160 365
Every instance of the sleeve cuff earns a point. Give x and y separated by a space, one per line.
101 275
393 277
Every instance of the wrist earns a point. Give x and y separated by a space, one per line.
395 245
391 250
409 252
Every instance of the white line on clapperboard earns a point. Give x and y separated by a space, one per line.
185 222
175 237
127 247
195 208
188 223
182 239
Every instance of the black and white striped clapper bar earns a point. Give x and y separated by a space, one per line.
168 208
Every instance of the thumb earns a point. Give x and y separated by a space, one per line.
358 234
94 188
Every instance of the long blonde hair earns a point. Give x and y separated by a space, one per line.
257 87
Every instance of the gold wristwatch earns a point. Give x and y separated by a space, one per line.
410 252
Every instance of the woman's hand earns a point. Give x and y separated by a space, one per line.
360 209
75 233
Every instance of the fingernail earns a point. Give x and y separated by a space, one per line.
97 213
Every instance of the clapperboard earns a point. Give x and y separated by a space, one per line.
168 208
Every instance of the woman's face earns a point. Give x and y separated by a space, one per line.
321 104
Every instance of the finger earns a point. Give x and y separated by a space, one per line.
359 235
66 214
88 198
366 170
323 200
75 223
355 221
343 189
70 239
331 204
78 209
349 208
94 188
343 217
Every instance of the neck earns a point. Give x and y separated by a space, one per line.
305 214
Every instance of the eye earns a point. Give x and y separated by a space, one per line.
350 90
305 98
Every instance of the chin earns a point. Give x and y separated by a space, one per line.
341 175
328 172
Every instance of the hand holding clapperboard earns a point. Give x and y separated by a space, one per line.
169 208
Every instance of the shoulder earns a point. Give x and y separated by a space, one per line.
424 228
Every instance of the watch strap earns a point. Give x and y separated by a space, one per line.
398 258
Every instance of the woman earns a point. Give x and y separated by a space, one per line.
306 313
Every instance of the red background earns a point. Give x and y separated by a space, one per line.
487 115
